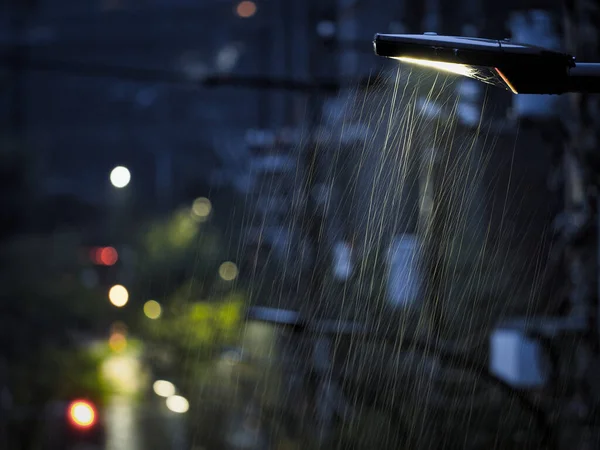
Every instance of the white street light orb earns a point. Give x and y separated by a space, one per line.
120 177
118 295
163 388
177 404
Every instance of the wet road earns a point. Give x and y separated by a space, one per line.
147 425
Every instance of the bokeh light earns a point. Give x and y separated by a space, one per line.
108 256
82 414
118 295
163 388
152 309
123 374
246 9
117 342
178 404
120 177
201 208
228 271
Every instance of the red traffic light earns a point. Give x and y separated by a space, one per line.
104 256
82 414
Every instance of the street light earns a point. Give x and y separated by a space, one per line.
118 295
521 69
177 404
120 177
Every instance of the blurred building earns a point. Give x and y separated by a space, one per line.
117 82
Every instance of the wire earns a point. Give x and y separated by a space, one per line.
88 69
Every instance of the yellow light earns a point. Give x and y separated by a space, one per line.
506 80
458 69
118 295
82 414
163 388
201 208
178 404
117 342
123 373
152 309
228 271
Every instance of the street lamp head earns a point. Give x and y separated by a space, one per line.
519 68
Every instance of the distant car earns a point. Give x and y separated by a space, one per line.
74 425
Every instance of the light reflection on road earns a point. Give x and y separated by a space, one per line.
147 425
122 424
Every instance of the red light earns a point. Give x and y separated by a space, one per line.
246 9
82 414
104 256
108 256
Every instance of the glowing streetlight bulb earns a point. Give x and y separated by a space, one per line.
455 68
118 295
120 177
228 271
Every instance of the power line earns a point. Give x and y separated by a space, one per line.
100 70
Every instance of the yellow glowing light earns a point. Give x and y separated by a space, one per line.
118 295
152 309
163 388
117 342
82 414
228 271
178 404
246 9
123 373
508 83
201 208
458 69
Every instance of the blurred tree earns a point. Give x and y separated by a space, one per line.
178 262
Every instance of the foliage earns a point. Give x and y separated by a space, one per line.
199 326
179 259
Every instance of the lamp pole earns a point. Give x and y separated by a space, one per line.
582 207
